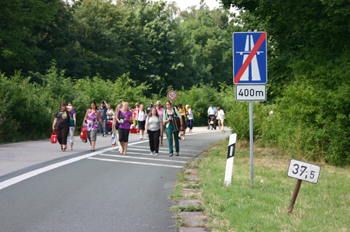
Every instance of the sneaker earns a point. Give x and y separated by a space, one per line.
156 154
151 153
183 137
141 137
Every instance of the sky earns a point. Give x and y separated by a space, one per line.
183 4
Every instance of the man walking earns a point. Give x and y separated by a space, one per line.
103 112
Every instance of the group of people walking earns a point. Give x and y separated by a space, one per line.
153 122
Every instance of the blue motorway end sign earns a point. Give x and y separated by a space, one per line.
249 58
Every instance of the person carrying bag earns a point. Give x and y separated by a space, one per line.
173 123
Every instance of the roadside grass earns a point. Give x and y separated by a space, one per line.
324 206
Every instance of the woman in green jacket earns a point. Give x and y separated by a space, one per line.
169 118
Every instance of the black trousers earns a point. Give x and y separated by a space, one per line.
62 134
123 135
154 140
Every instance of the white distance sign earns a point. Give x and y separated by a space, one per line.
250 92
304 171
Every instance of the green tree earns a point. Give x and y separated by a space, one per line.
18 37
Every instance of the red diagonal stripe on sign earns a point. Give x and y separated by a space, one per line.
250 57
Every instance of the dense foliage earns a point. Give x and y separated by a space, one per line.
152 41
309 62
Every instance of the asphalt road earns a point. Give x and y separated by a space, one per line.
44 189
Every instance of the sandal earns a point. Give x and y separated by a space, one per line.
170 155
177 154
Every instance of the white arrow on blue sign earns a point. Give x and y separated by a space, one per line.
249 58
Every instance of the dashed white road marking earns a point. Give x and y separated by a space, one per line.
147 154
161 148
143 158
133 162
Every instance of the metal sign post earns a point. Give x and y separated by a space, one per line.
250 75
251 138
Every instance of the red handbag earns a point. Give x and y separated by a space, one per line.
53 137
83 135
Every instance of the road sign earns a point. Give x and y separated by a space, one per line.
249 58
230 158
172 95
304 171
246 92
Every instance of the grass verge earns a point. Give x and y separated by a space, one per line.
324 206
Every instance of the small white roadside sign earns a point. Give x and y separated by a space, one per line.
304 171
250 92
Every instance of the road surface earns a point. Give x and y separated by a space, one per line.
44 189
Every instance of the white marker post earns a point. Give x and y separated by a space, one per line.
230 158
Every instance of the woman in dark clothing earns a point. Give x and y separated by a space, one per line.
61 125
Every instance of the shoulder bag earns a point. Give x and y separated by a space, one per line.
71 121
121 116
176 124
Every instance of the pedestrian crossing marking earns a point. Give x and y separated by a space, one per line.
143 158
133 162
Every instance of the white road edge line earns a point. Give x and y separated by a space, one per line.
36 172
132 162
132 157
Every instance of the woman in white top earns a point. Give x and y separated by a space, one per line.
189 118
220 117
154 128
141 117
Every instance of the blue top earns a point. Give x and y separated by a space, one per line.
103 112
71 113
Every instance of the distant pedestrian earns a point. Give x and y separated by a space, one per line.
169 120
182 110
150 106
91 119
141 119
110 116
221 117
110 112
71 129
61 125
161 111
154 126
125 119
103 112
135 111
189 118
117 109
